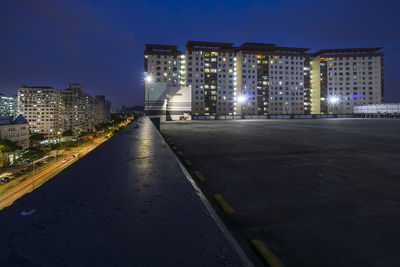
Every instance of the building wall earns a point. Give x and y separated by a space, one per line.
41 108
315 83
287 84
8 106
268 79
355 79
102 110
392 108
210 74
51 111
17 133
162 71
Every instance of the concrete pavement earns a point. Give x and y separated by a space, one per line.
127 203
317 192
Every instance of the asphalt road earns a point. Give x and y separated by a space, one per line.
318 192
13 190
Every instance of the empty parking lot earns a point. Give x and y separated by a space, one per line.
318 192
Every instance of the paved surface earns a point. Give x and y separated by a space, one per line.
127 203
318 192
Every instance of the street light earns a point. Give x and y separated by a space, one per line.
148 79
241 99
59 141
333 100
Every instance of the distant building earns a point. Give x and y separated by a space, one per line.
77 108
262 79
8 106
51 111
102 109
42 107
15 130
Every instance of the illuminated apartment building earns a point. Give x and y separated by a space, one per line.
344 78
211 76
162 70
77 108
262 79
271 79
41 107
51 111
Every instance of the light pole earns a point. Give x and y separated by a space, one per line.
148 80
333 100
241 99
59 141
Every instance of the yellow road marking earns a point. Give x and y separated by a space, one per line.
266 254
225 206
200 177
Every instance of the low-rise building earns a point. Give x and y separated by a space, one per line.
15 130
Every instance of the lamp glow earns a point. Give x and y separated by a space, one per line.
241 98
333 99
148 79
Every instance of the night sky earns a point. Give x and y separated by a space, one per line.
100 44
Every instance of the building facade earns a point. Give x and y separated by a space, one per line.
162 69
378 109
344 78
42 107
8 106
263 79
102 109
15 130
271 79
52 111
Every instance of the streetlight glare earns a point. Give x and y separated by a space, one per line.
333 99
148 78
241 98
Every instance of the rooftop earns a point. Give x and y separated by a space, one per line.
346 51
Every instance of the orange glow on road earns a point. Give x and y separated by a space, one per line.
31 180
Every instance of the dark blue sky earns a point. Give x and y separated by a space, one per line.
100 43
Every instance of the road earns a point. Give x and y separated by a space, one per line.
44 173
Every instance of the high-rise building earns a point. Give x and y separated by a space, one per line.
102 109
262 79
210 73
42 108
344 78
77 108
51 111
162 69
8 106
271 79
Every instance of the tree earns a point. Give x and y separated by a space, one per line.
33 153
36 138
6 147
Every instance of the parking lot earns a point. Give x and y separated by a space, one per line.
317 192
